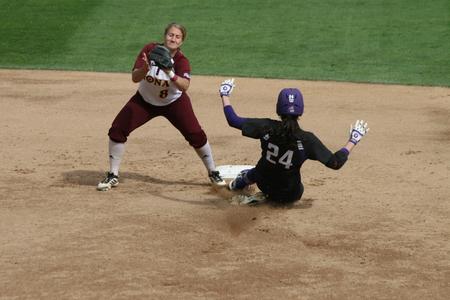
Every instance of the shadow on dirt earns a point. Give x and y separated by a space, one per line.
303 203
221 199
92 178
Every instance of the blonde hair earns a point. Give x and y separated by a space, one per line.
176 25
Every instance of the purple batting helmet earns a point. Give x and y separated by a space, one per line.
290 102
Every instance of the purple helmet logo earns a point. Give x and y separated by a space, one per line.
290 102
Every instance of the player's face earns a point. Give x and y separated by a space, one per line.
173 39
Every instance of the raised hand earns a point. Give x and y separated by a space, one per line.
226 87
357 131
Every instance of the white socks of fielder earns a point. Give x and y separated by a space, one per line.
206 156
116 151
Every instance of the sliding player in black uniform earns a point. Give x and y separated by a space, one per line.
285 147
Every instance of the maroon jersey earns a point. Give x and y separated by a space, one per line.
156 88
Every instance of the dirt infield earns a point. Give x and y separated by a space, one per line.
379 228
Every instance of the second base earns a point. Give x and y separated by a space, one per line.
231 171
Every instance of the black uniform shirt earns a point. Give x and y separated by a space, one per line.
281 160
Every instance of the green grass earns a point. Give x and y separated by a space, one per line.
395 41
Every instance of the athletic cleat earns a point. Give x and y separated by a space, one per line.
216 179
109 182
253 200
238 183
232 185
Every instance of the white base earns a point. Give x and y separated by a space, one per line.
231 171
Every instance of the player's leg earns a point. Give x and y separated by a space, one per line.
111 180
246 178
287 196
181 115
133 115
243 179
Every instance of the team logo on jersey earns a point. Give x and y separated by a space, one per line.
156 81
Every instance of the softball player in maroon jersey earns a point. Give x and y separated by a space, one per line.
161 92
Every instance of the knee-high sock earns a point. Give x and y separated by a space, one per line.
116 151
206 156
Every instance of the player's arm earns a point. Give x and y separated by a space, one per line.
316 150
180 74
138 74
180 82
141 66
336 160
232 118
226 87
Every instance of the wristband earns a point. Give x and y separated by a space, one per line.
172 76
345 150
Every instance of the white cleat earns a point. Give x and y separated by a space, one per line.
109 182
216 179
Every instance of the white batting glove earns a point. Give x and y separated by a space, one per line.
357 131
226 87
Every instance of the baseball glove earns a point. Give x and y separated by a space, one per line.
160 55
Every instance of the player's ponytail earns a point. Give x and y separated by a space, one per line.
286 133
289 124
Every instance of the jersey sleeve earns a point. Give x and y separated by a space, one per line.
255 128
316 150
338 159
182 67
232 118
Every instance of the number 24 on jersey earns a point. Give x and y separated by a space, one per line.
273 156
